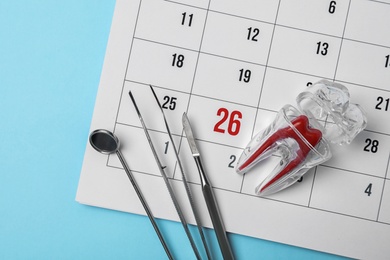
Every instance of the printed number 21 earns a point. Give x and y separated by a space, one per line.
234 123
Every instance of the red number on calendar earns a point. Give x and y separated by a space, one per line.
233 118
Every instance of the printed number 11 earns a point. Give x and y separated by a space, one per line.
184 18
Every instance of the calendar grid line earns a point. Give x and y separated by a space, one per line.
387 168
127 63
149 129
258 197
220 12
365 86
242 17
312 186
272 67
283 25
178 3
248 60
262 83
315 208
202 96
156 86
233 59
177 135
381 199
202 52
275 68
333 36
342 39
193 81
379 2
258 108
351 171
368 43
261 198
124 77
240 148
265 69
165 44
385 181
291 27
348 215
197 58
241 104
322 77
376 132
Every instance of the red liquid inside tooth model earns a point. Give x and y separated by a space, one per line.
312 136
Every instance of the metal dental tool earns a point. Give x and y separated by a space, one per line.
106 142
186 186
208 194
165 177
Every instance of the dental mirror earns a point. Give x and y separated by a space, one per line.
106 142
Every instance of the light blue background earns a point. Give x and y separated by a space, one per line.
51 56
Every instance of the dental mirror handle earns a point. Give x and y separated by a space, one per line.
144 204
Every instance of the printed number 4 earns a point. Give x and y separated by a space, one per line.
368 190
234 123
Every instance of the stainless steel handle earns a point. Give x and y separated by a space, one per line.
214 213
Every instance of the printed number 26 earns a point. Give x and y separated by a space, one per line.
233 118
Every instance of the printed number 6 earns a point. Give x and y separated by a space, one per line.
234 123
332 7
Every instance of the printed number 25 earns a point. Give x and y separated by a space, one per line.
233 118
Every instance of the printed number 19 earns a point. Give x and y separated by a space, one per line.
245 75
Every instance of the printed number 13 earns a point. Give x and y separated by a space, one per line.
234 123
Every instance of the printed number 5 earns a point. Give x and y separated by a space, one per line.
234 124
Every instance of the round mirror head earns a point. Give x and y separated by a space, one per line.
104 141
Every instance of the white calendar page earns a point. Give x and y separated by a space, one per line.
231 65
